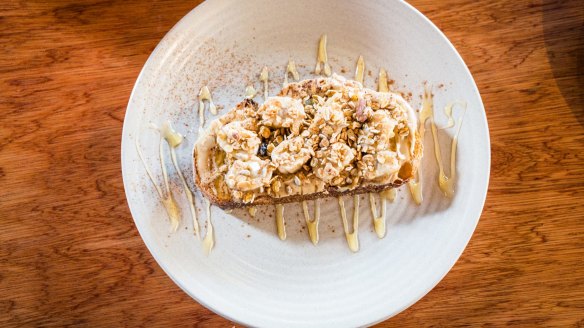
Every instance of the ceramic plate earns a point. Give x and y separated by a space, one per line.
251 276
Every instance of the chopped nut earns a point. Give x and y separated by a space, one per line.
330 93
313 162
328 130
297 180
337 181
248 197
289 190
348 180
335 137
242 185
276 185
368 159
351 135
270 148
265 132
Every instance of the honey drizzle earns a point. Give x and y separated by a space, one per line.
446 183
209 240
291 70
168 201
360 70
352 237
174 139
205 95
312 224
280 224
383 85
264 77
250 92
378 221
415 185
322 58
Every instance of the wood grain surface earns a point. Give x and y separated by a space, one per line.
70 254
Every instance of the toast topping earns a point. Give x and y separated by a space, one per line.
234 137
282 112
331 168
249 175
291 154
316 134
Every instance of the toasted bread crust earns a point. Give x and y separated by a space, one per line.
268 200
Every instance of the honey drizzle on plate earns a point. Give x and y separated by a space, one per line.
250 92
322 58
312 225
360 70
352 237
415 185
448 111
209 240
174 139
280 224
383 85
378 221
264 77
446 183
168 201
205 95
291 70
388 194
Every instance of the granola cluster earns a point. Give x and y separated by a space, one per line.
316 134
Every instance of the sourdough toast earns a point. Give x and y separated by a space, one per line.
318 138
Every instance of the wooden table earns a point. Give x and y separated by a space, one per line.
71 255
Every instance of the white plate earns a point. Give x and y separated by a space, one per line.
251 276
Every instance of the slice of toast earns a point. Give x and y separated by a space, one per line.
318 138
